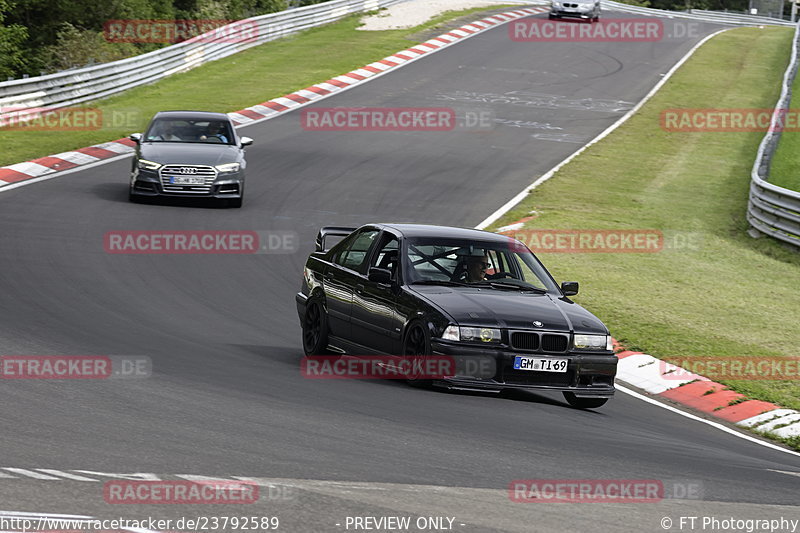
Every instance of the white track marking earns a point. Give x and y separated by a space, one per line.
716 425
66 475
139 476
784 472
31 473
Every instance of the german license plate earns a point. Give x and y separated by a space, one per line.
538 364
188 180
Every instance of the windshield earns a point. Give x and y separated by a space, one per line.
189 131
448 261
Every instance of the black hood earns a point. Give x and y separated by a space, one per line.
471 306
179 153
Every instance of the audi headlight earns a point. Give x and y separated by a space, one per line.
149 165
228 167
592 342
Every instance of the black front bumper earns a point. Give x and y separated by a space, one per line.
584 15
588 375
147 184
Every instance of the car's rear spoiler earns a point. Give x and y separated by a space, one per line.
336 231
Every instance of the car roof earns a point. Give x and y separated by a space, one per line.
192 115
429 230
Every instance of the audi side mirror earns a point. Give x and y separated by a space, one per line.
246 141
135 137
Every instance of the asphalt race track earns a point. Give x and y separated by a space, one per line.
226 397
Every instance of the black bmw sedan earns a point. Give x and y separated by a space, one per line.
189 154
399 290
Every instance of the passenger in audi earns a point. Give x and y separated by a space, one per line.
166 133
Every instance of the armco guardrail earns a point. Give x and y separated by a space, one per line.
744 17
705 16
92 83
774 210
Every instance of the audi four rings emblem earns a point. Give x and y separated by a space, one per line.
537 324
188 170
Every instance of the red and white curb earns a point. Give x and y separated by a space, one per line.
63 161
47 166
698 392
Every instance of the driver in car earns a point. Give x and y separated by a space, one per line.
476 268
216 133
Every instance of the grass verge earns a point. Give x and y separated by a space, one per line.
713 290
250 77
785 169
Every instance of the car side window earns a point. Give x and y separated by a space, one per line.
388 256
354 254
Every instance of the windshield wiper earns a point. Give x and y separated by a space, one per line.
511 284
439 282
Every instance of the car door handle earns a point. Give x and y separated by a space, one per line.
329 276
359 288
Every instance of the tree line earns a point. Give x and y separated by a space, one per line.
44 36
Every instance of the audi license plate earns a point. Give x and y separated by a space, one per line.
188 180
522 362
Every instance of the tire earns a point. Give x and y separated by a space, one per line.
584 403
236 202
416 345
132 198
315 328
551 16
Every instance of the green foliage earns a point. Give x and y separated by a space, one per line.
76 48
12 38
50 35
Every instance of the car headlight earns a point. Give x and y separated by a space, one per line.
592 342
149 165
470 334
228 167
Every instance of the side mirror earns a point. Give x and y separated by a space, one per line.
135 137
245 141
380 275
569 288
